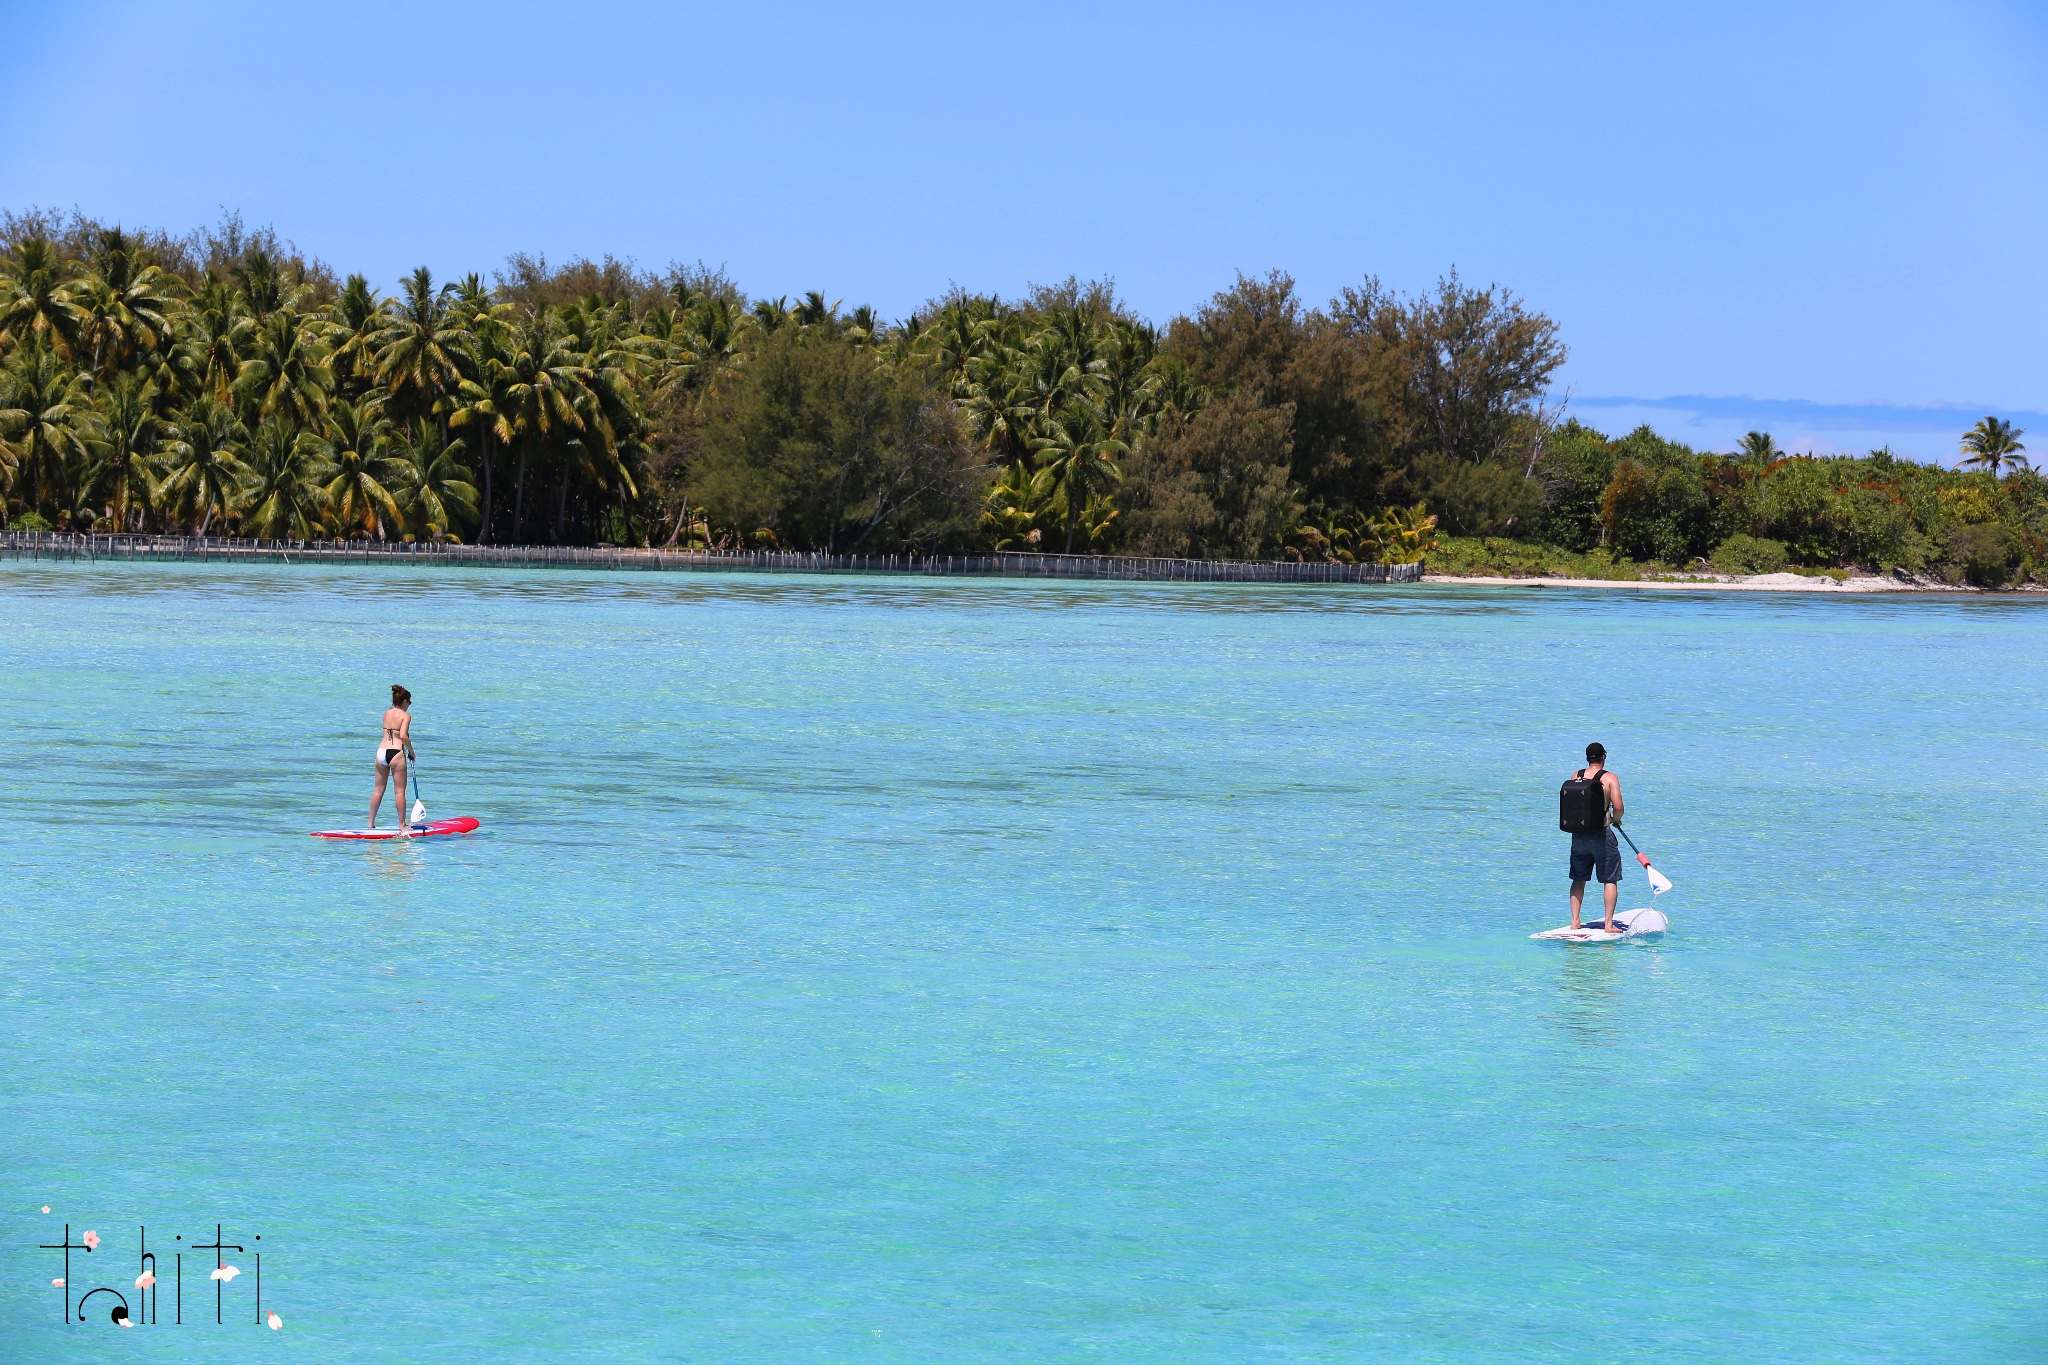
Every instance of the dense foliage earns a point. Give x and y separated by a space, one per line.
222 382
1758 510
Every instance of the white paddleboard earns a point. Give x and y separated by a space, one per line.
1632 923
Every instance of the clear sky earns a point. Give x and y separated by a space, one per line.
1826 219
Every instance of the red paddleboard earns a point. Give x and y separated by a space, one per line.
462 824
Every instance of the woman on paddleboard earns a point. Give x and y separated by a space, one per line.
394 748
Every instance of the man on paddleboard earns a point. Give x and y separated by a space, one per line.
1591 809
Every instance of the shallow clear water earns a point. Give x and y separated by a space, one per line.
979 971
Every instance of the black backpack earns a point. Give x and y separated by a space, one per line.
1582 803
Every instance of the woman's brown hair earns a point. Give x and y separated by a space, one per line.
399 696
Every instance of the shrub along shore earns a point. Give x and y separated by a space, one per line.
1642 508
223 383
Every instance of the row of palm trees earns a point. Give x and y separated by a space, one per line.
1993 445
76 447
132 399
1058 396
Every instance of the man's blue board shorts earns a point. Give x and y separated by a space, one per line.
1596 852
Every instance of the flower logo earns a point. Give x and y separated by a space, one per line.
92 1241
224 1273
275 1322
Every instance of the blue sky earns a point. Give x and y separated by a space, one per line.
1823 219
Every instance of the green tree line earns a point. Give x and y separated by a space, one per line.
222 382
1758 509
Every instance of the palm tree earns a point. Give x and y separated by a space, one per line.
957 336
261 284
205 468
423 350
433 491
482 403
38 298
125 302
1399 535
1080 459
220 334
771 314
814 311
1758 446
483 400
1129 397
685 295
614 358
1065 360
1015 507
997 401
286 372
1992 444
46 418
709 349
541 397
1175 388
1097 519
351 451
284 496
124 447
10 467
863 326
354 320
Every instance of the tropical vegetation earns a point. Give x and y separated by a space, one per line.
1640 503
223 383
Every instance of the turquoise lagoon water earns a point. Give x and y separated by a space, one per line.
861 969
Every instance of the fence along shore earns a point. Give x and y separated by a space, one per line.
58 546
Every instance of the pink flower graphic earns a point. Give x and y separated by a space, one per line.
226 1272
275 1322
92 1241
46 1208
144 1280
56 1284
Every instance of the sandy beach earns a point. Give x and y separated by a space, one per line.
1768 582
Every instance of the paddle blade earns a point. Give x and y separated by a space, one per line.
1659 884
419 813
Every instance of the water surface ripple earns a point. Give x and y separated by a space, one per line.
901 970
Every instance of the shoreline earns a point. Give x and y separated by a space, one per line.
17 545
140 548
1770 582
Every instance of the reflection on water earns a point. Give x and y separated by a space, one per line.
1587 988
391 859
